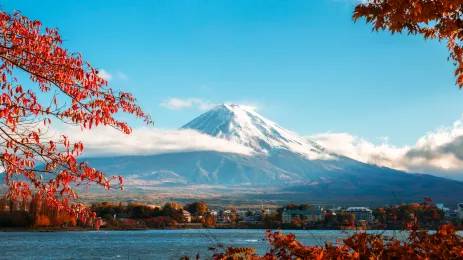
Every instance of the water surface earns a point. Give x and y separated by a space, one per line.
149 244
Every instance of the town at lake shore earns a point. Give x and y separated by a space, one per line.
35 215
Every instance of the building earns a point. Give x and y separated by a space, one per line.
361 213
460 210
223 218
242 214
252 219
451 214
186 216
442 207
286 216
310 215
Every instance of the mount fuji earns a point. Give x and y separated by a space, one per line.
282 166
241 124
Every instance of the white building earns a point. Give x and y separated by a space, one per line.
442 207
361 213
460 210
310 215
186 216
287 217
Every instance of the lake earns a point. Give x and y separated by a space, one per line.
149 244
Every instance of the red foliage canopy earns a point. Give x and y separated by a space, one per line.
87 102
443 244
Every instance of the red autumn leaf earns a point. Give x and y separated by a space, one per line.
26 46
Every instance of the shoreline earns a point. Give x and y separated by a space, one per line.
81 229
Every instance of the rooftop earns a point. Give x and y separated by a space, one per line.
308 211
358 209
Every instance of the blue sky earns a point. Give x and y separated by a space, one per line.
304 64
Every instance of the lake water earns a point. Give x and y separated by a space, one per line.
149 244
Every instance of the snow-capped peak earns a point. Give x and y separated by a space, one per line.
243 125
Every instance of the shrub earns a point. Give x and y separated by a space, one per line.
160 222
42 221
443 244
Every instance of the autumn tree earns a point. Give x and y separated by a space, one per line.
440 20
209 220
173 210
196 208
3 204
106 209
139 210
63 88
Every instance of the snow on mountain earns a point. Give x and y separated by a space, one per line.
243 125
284 166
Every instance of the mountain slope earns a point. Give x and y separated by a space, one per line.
284 163
210 168
300 181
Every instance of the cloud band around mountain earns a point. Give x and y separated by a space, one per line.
439 152
105 141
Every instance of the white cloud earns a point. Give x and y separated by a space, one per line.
105 75
105 141
121 75
108 76
439 152
178 104
362 150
